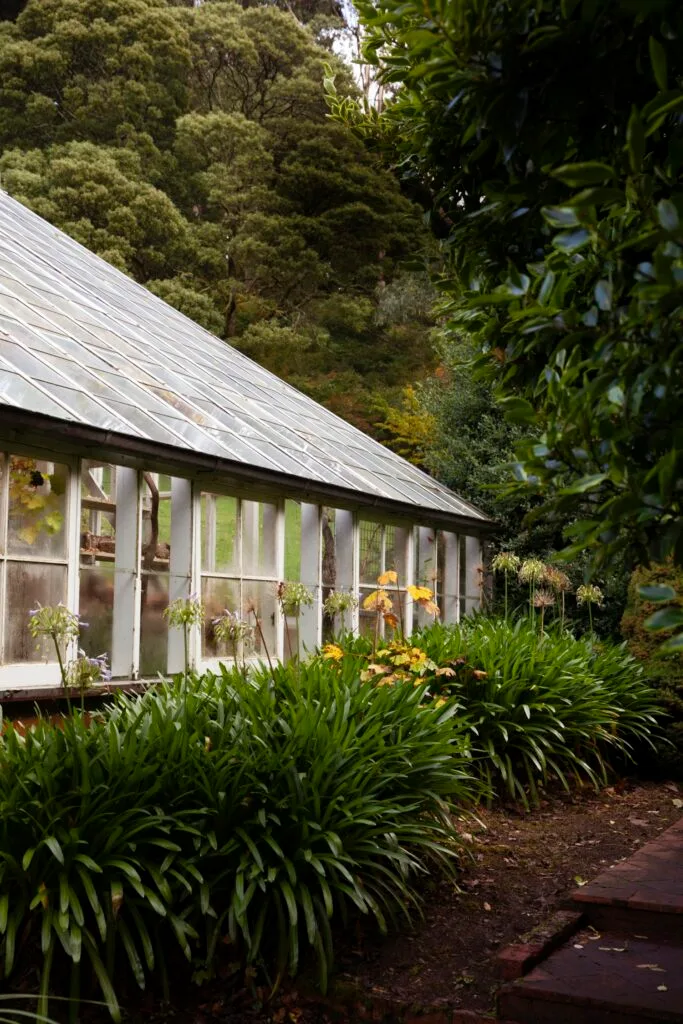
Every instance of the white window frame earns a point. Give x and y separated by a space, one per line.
39 674
212 663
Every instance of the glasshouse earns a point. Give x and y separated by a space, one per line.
145 460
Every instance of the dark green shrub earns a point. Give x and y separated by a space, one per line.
536 706
259 810
664 671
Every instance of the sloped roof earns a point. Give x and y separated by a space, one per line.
83 343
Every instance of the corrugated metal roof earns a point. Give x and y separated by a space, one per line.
82 342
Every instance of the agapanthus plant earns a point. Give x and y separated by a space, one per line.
505 562
339 603
589 595
292 597
56 623
234 631
184 613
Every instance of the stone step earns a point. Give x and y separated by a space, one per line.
642 895
600 978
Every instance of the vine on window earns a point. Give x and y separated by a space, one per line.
36 498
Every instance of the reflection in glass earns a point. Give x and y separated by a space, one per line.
292 540
27 586
37 508
219 595
396 547
259 529
153 625
462 581
261 597
155 539
367 619
329 568
370 551
220 533
155 556
96 604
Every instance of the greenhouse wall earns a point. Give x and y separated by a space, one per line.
117 544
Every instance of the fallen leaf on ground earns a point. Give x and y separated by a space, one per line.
662 988
487 906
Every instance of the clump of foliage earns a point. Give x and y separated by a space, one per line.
258 811
663 669
548 137
189 145
535 706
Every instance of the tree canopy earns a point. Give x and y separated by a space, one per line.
548 135
192 147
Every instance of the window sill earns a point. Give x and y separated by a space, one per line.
49 692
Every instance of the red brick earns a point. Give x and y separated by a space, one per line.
515 961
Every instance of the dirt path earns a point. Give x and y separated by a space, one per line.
524 864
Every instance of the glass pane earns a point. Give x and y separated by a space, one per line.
98 513
440 562
218 595
163 483
329 554
28 585
370 551
396 546
262 598
37 508
329 569
97 608
259 531
292 540
463 575
153 625
426 558
155 539
367 619
220 533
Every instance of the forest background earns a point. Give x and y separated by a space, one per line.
193 148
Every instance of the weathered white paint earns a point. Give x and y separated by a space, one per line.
126 629
310 626
451 577
180 568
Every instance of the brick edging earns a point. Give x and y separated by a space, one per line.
521 957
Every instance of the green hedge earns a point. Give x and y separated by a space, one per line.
665 671
257 811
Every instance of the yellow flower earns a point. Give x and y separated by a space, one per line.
387 577
420 593
440 702
333 651
378 601
374 670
